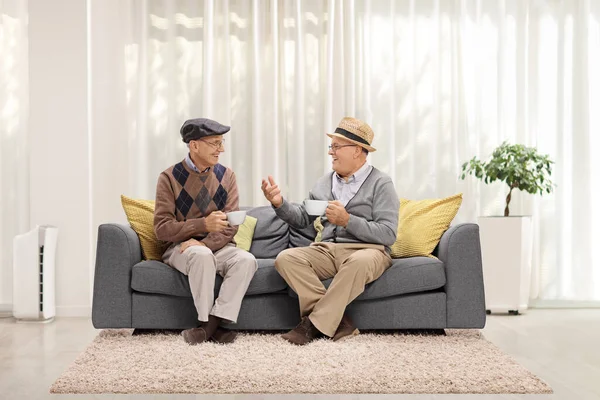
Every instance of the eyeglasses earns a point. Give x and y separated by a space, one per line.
336 147
216 145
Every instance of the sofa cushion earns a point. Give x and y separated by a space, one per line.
245 233
302 237
266 279
157 277
140 215
421 224
405 275
271 234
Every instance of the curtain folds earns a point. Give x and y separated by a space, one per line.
439 82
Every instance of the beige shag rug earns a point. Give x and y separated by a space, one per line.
460 362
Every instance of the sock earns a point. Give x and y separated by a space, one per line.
211 326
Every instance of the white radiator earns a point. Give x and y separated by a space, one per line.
33 273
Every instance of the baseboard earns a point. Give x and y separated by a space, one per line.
73 311
61 311
5 310
563 304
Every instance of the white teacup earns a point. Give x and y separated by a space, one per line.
236 217
315 207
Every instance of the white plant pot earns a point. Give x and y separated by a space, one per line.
506 250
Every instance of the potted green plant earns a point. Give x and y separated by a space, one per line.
506 243
518 166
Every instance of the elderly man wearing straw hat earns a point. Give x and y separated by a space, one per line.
359 227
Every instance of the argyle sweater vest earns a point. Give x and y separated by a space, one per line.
185 197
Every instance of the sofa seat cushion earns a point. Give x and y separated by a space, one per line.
156 277
405 275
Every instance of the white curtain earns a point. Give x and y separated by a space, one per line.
439 81
14 161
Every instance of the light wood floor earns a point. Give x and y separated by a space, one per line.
560 346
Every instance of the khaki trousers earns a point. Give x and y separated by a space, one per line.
351 265
236 266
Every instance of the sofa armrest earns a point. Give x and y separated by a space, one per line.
460 250
117 252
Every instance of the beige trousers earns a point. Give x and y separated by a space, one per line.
236 266
351 266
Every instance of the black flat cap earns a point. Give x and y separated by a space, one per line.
197 128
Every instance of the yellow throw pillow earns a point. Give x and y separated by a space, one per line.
422 224
245 233
140 214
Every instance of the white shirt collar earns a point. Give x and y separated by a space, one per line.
358 175
191 164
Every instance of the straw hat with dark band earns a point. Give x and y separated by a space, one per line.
355 131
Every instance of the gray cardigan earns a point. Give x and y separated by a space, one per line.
373 212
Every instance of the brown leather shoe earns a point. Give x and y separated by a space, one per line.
223 336
346 328
194 336
302 334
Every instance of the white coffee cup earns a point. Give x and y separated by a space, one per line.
236 217
315 207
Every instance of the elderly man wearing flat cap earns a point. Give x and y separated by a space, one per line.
192 198
359 226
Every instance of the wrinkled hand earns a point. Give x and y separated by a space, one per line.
215 222
189 243
271 191
337 214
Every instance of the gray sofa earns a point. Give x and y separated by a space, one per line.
414 293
